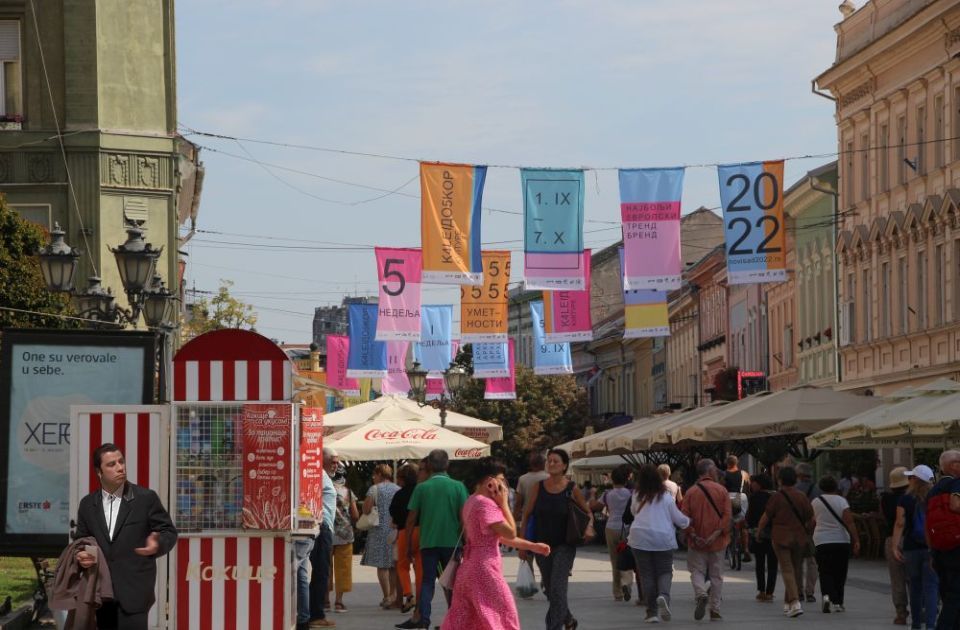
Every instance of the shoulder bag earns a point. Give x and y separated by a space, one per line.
836 516
703 489
579 523
809 549
449 576
372 519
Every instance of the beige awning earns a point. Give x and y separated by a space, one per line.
643 437
598 444
796 411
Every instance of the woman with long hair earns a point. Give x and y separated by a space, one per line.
379 548
614 501
548 506
910 548
653 537
481 596
834 537
761 546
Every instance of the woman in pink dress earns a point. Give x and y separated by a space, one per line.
481 597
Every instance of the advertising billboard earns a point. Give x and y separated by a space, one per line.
43 373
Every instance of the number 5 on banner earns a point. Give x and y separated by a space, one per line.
399 272
752 199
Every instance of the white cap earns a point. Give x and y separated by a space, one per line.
921 472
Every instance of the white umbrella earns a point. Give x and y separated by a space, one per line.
402 439
394 407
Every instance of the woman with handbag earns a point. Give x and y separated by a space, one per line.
376 519
553 504
835 536
481 596
653 538
760 544
614 501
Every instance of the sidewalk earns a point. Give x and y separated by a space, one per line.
867 600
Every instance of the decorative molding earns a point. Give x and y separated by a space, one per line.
39 168
6 171
136 171
861 91
118 170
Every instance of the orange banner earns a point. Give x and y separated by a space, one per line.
483 309
451 197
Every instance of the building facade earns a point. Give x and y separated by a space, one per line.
88 127
332 320
896 83
708 280
683 357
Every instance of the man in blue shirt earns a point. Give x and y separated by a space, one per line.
947 563
320 556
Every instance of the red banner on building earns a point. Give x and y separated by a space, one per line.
266 466
311 459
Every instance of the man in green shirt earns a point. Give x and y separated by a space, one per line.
436 504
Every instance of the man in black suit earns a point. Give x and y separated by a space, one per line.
132 529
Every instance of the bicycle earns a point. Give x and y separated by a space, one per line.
733 554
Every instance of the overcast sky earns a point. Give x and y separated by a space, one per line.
597 83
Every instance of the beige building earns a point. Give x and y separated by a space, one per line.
896 83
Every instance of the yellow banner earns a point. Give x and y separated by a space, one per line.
451 196
483 309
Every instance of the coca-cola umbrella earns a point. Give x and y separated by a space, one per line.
402 439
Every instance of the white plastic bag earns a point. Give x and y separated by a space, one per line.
526 585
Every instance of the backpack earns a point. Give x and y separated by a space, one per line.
918 524
942 525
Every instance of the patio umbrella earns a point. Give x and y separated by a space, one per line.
402 439
401 408
860 427
597 444
644 436
796 411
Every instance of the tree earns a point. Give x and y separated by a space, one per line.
221 311
21 281
549 410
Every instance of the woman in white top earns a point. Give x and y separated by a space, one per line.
834 536
614 501
653 537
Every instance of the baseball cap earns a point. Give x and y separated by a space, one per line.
921 472
897 477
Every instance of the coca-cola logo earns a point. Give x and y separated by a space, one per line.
407 434
468 453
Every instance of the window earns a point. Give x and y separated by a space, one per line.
901 150
955 130
939 131
921 306
940 262
851 307
788 346
921 140
848 176
865 289
864 167
885 284
902 299
10 83
884 141
35 213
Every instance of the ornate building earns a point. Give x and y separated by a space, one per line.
896 84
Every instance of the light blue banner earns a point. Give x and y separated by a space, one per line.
491 360
367 357
433 352
552 211
548 358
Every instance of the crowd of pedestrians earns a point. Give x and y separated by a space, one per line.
797 532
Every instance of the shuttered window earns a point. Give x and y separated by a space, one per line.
10 78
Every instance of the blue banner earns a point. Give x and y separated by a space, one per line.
548 358
367 357
553 229
434 351
491 360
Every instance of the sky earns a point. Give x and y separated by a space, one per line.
598 84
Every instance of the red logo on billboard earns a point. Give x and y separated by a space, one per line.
408 434
468 453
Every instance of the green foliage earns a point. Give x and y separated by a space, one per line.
725 384
221 311
21 281
549 410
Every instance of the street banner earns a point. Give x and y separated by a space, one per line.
548 358
567 313
650 211
435 388
751 195
396 381
645 312
266 466
503 388
451 197
491 360
366 387
338 351
483 309
367 357
553 229
399 272
311 459
434 350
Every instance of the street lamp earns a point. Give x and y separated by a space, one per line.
454 378
58 262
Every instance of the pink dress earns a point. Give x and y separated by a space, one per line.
481 596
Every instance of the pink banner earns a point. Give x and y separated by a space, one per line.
504 388
338 348
435 388
396 381
650 210
399 272
566 314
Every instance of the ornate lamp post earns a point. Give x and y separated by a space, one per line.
454 378
58 262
